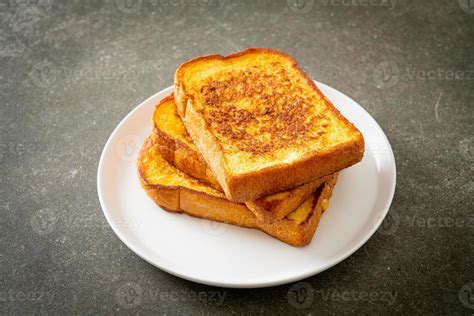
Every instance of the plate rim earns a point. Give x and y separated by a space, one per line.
261 284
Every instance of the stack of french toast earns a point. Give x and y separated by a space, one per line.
248 139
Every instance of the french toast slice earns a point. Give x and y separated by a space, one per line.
178 192
176 146
261 123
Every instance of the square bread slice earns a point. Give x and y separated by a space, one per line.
261 123
177 148
178 192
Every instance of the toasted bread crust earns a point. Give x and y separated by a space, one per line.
275 178
269 209
196 203
180 154
302 234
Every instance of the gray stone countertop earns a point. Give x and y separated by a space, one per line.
70 71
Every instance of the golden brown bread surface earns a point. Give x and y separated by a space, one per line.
261 124
177 192
175 145
276 206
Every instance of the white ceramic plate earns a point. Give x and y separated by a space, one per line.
229 256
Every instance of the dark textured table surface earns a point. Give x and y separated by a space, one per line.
70 72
